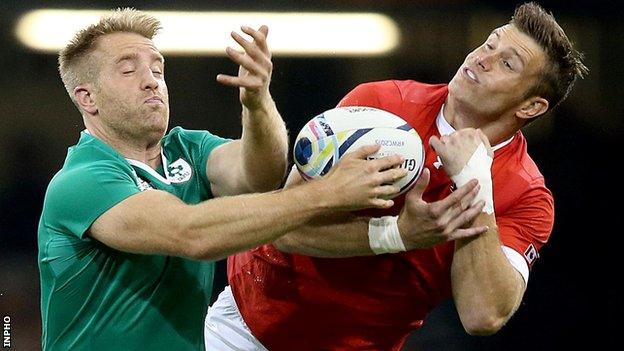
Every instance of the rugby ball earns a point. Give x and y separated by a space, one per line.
327 137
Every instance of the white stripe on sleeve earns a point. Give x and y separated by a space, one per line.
518 262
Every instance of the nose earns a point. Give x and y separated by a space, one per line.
484 62
149 81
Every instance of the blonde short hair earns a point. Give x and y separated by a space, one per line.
75 65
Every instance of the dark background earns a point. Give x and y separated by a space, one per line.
571 299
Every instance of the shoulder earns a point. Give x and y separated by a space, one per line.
515 160
91 161
186 138
92 180
89 164
372 94
402 90
85 180
412 100
378 87
518 177
414 91
195 146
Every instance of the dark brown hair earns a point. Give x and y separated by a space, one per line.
564 63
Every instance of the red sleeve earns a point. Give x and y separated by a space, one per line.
526 226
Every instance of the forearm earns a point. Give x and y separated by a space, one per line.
339 234
156 222
486 288
264 146
335 235
223 226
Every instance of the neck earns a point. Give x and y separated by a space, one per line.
496 127
139 150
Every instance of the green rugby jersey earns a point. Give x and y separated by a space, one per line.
97 298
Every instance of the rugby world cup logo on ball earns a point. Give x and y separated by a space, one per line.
327 137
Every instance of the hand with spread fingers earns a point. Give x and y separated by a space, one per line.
255 67
423 225
264 139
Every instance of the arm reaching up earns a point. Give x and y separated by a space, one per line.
257 162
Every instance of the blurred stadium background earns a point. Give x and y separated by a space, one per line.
571 299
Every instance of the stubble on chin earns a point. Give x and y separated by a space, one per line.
132 121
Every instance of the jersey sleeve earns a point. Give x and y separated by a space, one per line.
76 198
208 144
526 226
202 143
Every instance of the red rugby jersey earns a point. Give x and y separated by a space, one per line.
295 302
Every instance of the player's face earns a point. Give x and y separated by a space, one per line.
495 77
131 94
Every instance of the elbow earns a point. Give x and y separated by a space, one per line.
193 250
483 316
193 245
187 243
201 252
484 323
268 175
485 327
261 182
266 185
284 244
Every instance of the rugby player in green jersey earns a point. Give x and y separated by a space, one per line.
126 235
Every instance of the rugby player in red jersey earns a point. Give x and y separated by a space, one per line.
295 295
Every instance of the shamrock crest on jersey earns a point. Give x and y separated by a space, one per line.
179 171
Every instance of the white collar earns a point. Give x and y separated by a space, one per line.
151 171
445 128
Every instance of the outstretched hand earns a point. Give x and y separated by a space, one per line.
423 225
255 67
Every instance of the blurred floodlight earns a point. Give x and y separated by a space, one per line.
207 33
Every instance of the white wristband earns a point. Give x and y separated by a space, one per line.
384 236
478 167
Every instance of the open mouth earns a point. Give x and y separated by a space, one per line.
471 75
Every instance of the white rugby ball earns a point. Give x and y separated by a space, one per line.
327 137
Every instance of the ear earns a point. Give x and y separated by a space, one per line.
532 108
85 98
